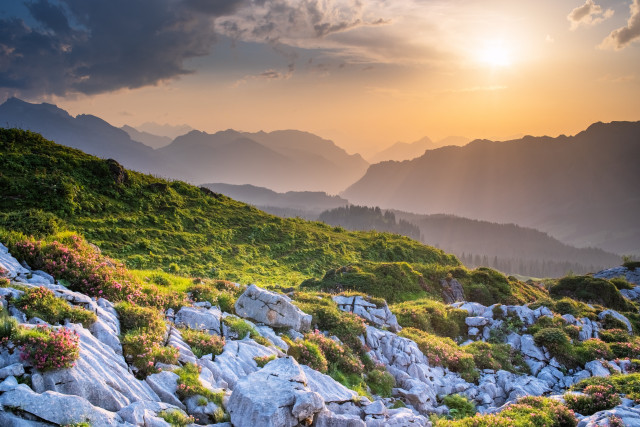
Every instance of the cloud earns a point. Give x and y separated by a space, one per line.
91 46
588 14
622 37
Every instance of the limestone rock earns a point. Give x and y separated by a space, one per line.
236 361
58 408
618 316
11 265
379 316
596 369
15 370
452 291
165 384
274 396
146 413
330 390
200 319
629 417
272 309
330 419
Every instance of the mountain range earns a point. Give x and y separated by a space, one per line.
283 160
406 151
581 189
304 204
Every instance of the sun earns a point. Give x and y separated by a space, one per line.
495 55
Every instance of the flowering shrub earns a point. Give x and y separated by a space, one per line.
596 398
459 406
629 349
263 360
443 352
143 350
614 335
3 271
41 302
4 282
86 270
47 348
336 354
203 343
592 349
308 353
528 411
615 421
496 357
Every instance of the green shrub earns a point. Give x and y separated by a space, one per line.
380 382
431 316
308 353
218 292
558 344
443 352
596 398
189 385
336 354
497 357
545 322
41 302
135 317
47 348
263 360
202 343
575 308
352 381
176 418
621 283
8 325
614 335
591 290
459 406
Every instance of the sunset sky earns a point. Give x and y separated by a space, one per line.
365 73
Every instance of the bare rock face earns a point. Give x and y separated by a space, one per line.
276 395
452 291
272 309
57 408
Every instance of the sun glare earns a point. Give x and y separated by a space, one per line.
495 55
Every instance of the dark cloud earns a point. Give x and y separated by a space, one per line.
588 14
622 37
93 46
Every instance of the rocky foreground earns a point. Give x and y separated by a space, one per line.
253 382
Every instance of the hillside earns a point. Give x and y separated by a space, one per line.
149 222
579 189
406 151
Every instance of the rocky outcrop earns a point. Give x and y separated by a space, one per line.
276 395
146 413
201 319
616 316
631 276
452 291
236 361
57 408
272 309
629 416
378 316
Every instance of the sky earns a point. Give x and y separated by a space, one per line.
365 73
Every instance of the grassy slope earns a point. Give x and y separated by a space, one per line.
152 223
